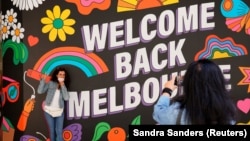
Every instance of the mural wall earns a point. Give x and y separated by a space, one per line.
119 53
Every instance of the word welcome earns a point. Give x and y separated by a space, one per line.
119 34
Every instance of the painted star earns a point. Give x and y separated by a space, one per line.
246 79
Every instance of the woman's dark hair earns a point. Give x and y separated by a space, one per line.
54 76
205 97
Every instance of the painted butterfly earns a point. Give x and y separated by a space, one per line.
72 132
237 15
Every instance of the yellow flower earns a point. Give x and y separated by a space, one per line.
57 24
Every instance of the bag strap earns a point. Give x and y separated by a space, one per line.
178 121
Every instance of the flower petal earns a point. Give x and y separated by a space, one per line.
69 30
65 14
61 35
21 35
50 14
69 22
47 28
13 38
22 29
53 35
46 20
56 11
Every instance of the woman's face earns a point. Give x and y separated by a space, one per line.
61 74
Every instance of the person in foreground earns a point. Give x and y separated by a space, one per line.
57 93
205 99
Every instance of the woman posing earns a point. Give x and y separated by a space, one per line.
57 92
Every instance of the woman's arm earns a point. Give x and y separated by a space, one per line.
42 87
162 108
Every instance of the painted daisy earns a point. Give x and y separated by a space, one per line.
10 17
27 4
57 24
17 33
5 30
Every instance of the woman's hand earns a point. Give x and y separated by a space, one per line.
61 83
170 84
44 76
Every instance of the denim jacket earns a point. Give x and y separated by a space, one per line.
50 88
166 113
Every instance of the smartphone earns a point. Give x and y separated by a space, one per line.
178 81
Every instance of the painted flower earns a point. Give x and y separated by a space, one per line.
10 17
27 4
57 24
5 30
17 32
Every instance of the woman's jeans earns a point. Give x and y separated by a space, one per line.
55 125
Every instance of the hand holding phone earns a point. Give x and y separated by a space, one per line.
178 81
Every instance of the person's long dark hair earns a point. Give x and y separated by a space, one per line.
55 79
205 97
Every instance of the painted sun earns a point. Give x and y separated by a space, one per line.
131 5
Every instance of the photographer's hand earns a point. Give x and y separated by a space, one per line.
170 84
169 87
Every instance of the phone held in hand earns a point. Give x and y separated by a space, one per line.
179 83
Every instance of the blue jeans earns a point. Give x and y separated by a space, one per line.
55 126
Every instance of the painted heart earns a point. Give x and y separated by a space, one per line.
32 40
244 105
